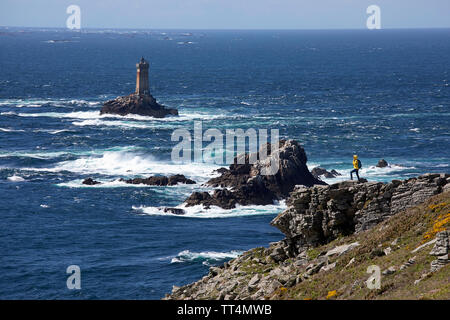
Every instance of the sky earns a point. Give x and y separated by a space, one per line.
226 14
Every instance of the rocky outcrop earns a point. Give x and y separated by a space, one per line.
245 183
161 180
150 181
382 163
320 214
307 265
144 105
440 250
90 182
317 172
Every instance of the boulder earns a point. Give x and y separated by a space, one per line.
176 211
441 250
90 182
382 163
144 105
318 171
161 180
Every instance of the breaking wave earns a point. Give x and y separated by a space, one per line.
206 257
214 212
128 163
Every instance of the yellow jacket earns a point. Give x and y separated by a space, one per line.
355 164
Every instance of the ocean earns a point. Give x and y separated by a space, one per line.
379 94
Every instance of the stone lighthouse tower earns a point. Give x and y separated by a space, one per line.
142 87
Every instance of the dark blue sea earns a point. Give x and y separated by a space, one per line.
380 94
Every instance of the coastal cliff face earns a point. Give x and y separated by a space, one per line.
144 105
333 233
320 214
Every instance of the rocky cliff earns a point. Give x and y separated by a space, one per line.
333 234
320 214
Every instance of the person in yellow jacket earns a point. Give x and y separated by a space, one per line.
356 167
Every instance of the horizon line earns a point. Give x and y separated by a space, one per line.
225 29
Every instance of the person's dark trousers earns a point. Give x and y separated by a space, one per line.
355 171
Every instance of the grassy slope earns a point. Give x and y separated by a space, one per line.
411 228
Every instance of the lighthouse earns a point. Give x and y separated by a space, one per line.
140 102
142 87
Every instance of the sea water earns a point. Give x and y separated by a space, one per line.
378 94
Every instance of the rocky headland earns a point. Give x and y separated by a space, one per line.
333 233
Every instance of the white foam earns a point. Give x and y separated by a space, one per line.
205 256
199 211
125 163
55 154
36 103
99 122
92 115
11 130
15 178
370 173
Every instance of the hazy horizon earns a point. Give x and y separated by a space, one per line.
230 15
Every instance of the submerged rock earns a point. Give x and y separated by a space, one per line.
382 163
144 105
90 182
161 180
176 211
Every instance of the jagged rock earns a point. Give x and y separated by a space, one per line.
389 271
328 267
176 211
318 171
408 263
320 214
90 182
144 105
248 183
382 163
350 262
339 250
161 180
253 282
440 250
